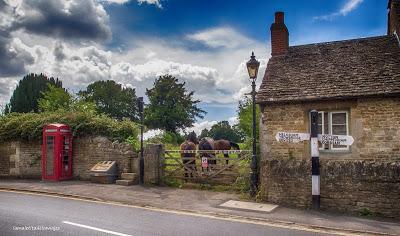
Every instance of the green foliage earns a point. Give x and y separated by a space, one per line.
245 114
171 107
112 99
170 139
223 130
6 109
204 133
28 91
134 142
28 126
365 212
54 99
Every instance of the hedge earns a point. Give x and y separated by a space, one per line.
29 126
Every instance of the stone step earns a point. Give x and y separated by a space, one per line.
124 182
129 176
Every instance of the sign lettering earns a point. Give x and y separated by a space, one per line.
335 139
291 137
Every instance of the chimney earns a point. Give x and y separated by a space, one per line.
279 35
394 17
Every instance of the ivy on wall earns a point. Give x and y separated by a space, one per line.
29 126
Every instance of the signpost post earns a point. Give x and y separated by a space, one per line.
315 181
314 137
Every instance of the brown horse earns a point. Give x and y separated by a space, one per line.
221 144
189 159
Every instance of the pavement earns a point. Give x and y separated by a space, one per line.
206 203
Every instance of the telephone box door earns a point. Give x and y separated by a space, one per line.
66 156
50 157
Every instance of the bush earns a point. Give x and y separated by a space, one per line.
29 126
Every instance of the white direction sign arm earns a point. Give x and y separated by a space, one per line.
335 139
291 137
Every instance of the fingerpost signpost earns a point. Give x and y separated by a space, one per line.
314 137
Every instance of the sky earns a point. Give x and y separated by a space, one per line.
203 43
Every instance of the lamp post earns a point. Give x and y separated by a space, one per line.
252 68
141 160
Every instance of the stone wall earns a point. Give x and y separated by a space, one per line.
346 185
20 159
365 176
89 151
23 159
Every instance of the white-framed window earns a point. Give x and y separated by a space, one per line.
336 123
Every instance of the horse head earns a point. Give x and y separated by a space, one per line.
192 137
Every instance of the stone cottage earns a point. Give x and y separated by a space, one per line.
355 87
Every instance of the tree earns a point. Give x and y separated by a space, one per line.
171 107
28 91
112 99
204 133
55 99
245 114
223 130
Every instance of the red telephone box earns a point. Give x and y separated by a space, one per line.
57 152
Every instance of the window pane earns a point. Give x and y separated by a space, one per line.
339 118
326 123
50 156
339 129
339 126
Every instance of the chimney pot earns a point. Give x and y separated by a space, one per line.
279 17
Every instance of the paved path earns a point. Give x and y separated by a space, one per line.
76 217
204 202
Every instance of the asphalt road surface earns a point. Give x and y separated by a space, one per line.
27 214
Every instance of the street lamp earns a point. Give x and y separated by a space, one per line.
140 104
252 68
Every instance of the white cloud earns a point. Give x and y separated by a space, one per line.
221 37
348 7
152 133
157 3
154 2
233 120
198 127
115 1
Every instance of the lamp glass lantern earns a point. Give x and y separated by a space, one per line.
252 67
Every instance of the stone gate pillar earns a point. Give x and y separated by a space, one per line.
153 163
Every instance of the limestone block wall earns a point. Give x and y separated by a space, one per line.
346 185
20 159
23 159
365 176
90 150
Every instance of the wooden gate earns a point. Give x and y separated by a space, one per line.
210 167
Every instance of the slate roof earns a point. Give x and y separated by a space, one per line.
334 70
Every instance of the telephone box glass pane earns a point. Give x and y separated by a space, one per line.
50 155
65 154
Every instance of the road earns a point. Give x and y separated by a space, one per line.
63 216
